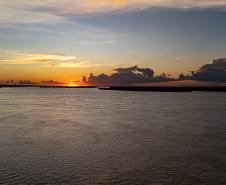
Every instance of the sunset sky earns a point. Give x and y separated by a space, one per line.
63 40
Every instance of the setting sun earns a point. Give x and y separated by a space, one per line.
72 84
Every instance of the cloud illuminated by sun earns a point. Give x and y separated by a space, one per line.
46 60
13 57
33 11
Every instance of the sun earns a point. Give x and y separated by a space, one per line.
72 84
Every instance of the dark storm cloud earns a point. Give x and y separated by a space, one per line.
127 76
216 72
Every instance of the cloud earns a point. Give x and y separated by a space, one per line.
23 12
80 7
213 72
216 72
179 58
77 64
45 60
71 64
33 11
26 82
125 76
11 57
51 82
184 4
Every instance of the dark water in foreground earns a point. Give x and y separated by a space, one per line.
91 137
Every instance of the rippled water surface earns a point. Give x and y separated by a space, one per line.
91 137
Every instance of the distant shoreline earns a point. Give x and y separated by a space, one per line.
69 87
166 89
38 86
12 86
189 86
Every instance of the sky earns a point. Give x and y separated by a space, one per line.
63 40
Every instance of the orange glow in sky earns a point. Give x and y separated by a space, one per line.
63 40
72 84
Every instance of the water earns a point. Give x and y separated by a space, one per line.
91 137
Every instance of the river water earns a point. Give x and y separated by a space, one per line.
92 137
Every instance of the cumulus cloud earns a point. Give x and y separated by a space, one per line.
33 11
126 76
216 72
213 72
